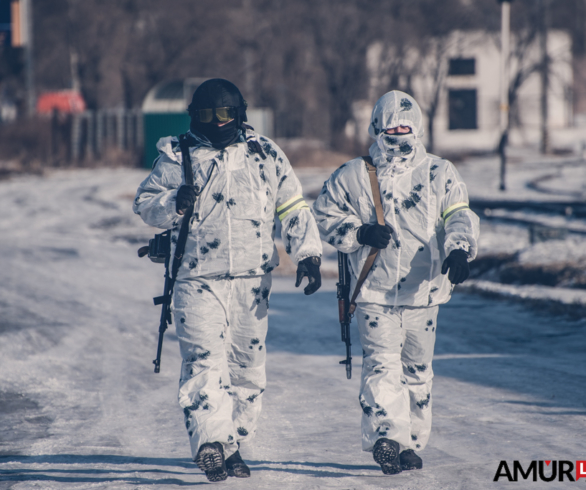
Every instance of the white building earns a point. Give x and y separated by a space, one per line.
464 71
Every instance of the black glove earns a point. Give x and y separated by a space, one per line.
377 236
186 197
457 262
309 267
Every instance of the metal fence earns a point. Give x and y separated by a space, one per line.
92 135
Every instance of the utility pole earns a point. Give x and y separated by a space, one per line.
26 33
544 69
74 65
248 51
504 87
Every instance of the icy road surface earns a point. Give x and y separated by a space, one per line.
80 406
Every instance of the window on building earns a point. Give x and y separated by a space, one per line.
462 109
462 66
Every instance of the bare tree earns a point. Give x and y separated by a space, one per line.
305 59
432 68
424 37
342 31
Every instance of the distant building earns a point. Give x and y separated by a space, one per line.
467 115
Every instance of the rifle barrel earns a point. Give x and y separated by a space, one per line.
162 328
157 361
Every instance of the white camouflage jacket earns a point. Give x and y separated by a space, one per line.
233 223
424 201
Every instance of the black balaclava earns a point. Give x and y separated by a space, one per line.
212 94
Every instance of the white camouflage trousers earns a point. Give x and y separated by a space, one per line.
395 392
221 324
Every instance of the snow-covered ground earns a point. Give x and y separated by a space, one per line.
531 178
80 407
542 172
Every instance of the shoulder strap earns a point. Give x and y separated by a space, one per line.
186 158
378 206
184 142
183 232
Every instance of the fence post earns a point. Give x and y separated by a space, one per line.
121 126
54 136
139 129
111 135
90 135
76 137
99 133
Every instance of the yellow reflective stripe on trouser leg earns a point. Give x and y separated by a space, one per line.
292 204
448 213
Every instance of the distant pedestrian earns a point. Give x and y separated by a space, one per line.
425 230
221 296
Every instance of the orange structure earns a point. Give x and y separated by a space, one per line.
67 101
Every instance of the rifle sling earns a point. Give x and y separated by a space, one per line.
189 180
184 231
381 221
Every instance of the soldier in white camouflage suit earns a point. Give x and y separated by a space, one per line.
223 286
429 229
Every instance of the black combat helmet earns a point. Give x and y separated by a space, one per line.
214 103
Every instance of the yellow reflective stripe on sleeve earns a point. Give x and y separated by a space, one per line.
294 207
448 213
293 200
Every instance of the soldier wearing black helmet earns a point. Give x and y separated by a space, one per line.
221 296
217 112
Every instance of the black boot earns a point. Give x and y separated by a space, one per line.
236 467
210 459
410 460
386 453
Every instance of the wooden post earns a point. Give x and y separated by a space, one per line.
120 120
544 72
76 137
90 136
99 133
504 87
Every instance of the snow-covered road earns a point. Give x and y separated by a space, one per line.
80 406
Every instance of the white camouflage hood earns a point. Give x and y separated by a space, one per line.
394 109
402 150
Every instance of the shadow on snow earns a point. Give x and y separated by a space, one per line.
151 466
480 340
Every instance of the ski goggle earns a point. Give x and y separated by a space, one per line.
223 114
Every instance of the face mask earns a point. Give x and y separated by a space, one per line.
217 100
220 136
396 145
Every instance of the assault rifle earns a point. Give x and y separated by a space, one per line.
159 249
343 308
164 300
347 305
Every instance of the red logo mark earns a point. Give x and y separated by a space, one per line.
547 462
580 469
